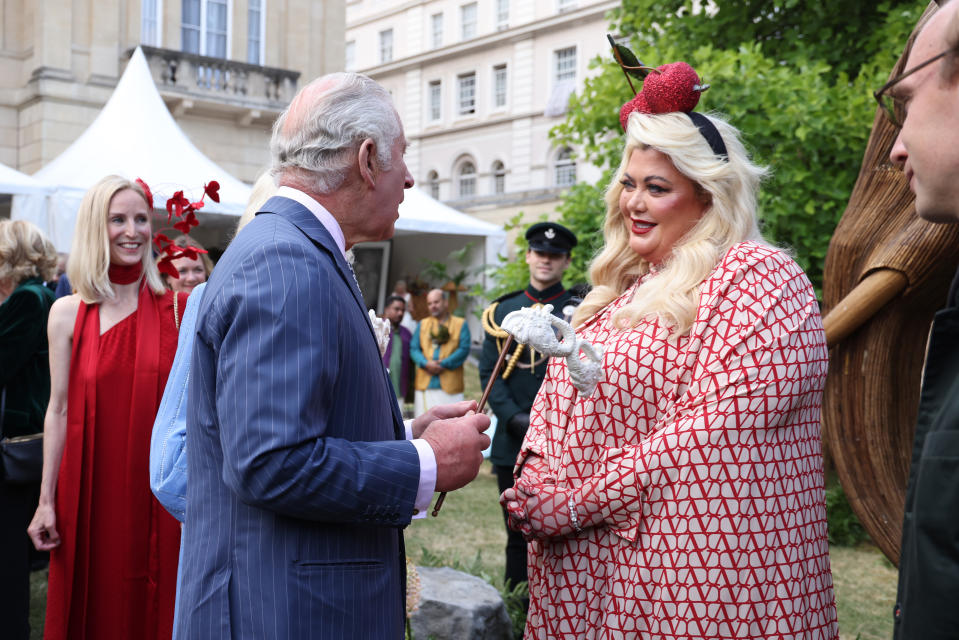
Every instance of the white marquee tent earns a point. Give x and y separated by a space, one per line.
134 136
14 182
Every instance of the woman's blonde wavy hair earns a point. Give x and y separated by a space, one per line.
89 264
731 188
25 252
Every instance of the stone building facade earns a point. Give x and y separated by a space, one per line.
479 84
225 68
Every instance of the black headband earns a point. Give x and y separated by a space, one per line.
710 132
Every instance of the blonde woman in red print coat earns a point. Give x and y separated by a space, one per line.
684 498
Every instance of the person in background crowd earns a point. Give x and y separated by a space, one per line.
168 460
396 358
300 479
512 395
193 271
114 549
400 289
924 101
691 477
53 282
440 346
27 258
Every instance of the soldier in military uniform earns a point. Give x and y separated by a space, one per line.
511 397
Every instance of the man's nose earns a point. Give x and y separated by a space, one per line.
898 153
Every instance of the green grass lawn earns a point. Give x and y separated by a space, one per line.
469 533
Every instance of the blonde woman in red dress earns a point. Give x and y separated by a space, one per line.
114 549
684 498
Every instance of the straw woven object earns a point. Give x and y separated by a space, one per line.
902 266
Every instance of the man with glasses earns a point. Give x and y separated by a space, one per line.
924 102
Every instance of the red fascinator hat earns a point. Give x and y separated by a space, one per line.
669 88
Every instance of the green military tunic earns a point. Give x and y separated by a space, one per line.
516 393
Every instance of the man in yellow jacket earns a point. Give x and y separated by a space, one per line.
439 348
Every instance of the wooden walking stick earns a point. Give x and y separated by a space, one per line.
482 402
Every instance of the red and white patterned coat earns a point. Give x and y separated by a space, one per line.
710 455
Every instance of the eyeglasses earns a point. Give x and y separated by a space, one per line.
893 107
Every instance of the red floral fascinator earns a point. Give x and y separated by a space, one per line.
179 206
668 88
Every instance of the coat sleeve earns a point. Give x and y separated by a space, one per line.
296 381
22 329
168 467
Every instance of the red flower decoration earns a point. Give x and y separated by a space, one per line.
211 189
179 206
146 190
166 266
176 205
188 221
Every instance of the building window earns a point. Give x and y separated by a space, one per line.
499 85
150 12
565 168
433 180
502 14
466 180
565 66
468 21
386 46
499 178
434 99
204 27
349 56
563 6
436 27
467 93
255 28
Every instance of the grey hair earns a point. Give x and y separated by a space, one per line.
319 147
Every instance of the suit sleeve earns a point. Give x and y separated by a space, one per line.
292 353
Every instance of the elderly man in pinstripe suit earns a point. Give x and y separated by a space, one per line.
302 474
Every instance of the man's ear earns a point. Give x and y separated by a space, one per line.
367 162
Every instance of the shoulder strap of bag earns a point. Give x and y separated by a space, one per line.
176 315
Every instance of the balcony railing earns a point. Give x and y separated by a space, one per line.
217 80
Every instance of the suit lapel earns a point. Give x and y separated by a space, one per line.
304 220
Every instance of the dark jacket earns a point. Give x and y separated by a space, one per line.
927 607
25 368
516 394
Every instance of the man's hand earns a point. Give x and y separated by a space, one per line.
441 412
433 367
458 445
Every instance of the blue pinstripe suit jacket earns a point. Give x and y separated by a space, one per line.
300 479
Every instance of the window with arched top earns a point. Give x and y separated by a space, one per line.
433 183
466 179
499 177
564 170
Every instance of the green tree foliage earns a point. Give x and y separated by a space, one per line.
795 77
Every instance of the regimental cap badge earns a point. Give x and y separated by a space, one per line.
550 237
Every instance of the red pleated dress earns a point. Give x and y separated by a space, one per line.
114 574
